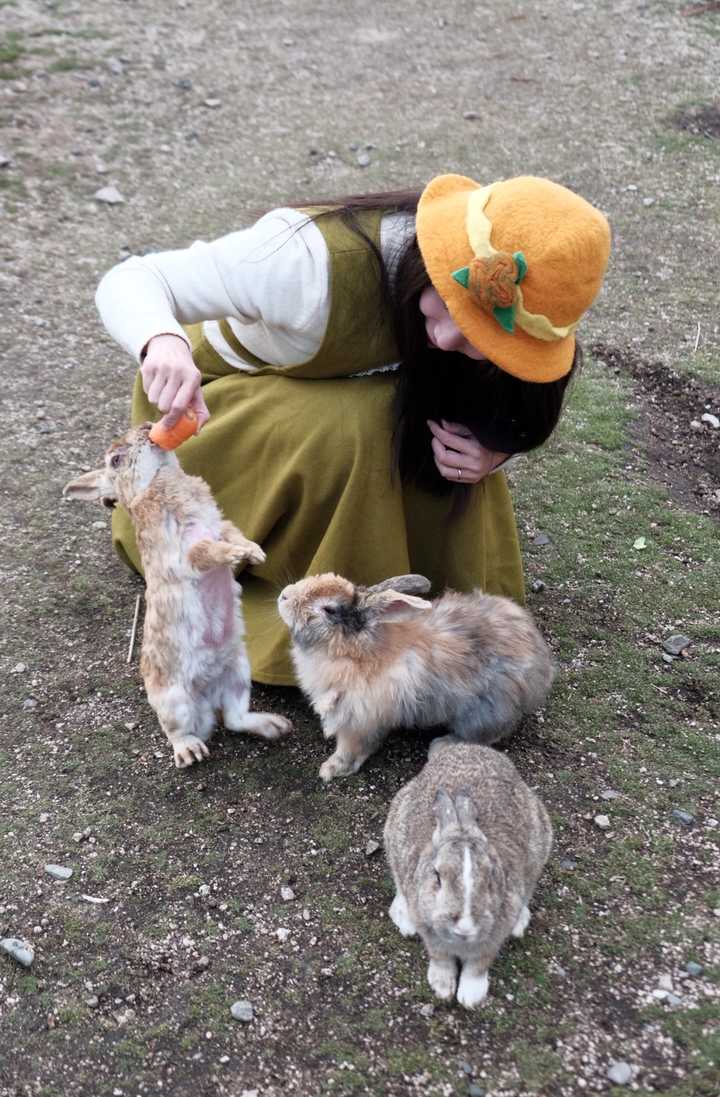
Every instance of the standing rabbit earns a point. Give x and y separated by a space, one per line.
466 841
375 658
193 657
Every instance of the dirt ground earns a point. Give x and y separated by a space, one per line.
200 114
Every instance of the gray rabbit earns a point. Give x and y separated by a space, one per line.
466 842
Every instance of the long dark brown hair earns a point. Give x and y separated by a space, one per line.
504 413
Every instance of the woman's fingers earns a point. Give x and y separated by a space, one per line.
459 442
456 428
200 407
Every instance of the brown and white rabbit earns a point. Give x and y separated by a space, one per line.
371 659
466 841
193 658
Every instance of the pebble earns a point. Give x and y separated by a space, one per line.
5 161
648 201
620 1073
125 1016
676 643
609 794
242 1011
29 703
695 424
287 894
427 1011
282 935
683 816
466 1068
667 658
213 104
92 1002
665 981
111 196
19 668
184 84
363 160
470 115
99 525
541 539
19 950
537 585
371 847
58 872
602 821
711 420
673 1000
567 864
475 1091
693 968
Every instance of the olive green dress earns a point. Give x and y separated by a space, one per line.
299 458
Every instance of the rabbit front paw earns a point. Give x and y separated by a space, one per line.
248 553
189 749
400 915
339 765
522 923
472 988
442 977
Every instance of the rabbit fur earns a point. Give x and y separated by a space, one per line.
466 842
193 658
371 659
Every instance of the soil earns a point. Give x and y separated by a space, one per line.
682 451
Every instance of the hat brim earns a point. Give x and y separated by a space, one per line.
442 238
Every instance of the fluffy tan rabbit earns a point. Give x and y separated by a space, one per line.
193 657
466 841
371 659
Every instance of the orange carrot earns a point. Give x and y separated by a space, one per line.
171 438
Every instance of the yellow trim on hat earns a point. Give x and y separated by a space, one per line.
479 228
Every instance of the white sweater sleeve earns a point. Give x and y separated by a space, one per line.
273 275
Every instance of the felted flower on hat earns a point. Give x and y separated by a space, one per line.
492 282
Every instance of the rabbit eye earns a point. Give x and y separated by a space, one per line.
116 460
331 611
438 878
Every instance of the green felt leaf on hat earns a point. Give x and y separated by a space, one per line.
462 276
521 265
505 318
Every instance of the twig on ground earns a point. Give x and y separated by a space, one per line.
134 629
697 339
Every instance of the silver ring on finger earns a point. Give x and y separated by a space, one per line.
459 474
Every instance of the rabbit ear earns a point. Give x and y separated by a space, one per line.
392 605
408 584
88 487
466 811
444 812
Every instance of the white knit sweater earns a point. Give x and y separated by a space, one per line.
270 281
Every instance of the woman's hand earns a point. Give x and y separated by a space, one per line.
458 454
172 380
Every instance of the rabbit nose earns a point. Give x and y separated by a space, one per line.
464 927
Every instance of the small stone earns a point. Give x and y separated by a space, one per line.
371 847
19 668
306 915
5 161
602 821
609 794
711 420
541 539
29 703
19 950
202 963
427 1011
620 1073
676 643
116 66
287 894
475 1090
660 994
92 1002
125 1016
282 935
695 424
567 864
242 1011
665 981
40 413
470 115
693 968
363 160
537 585
648 201
683 817
667 658
111 196
184 84
204 890
100 168
59 872
213 104
466 1068
99 525
673 1000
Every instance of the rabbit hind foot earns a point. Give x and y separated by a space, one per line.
266 725
400 915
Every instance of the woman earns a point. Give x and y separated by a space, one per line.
363 369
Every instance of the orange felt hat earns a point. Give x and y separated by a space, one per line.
517 263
